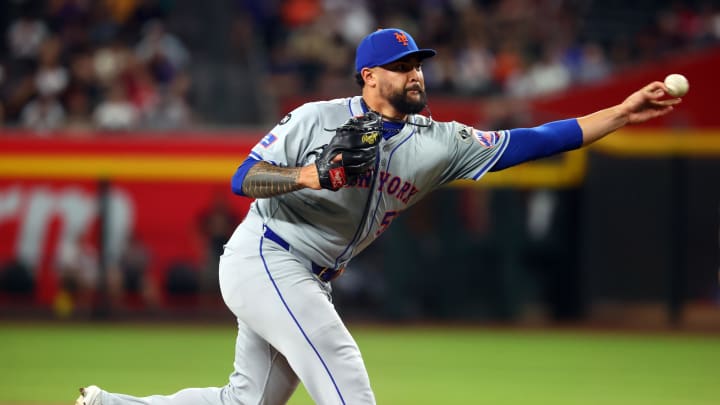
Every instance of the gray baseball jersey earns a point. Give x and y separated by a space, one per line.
288 328
329 227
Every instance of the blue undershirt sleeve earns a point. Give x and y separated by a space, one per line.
545 140
239 176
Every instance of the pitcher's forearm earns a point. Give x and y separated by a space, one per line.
601 123
265 180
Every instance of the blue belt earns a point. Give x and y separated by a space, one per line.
323 273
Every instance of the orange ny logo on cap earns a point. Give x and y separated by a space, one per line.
401 38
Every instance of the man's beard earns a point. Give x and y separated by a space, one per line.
403 104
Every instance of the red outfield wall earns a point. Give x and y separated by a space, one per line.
160 188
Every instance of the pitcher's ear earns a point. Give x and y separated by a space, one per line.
368 76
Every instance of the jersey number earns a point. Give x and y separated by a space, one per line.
387 219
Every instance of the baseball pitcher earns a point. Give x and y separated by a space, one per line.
328 180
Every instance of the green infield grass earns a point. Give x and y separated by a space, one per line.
46 363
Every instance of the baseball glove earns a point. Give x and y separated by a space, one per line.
357 141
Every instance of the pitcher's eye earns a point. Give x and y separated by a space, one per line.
403 67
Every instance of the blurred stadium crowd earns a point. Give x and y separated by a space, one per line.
80 65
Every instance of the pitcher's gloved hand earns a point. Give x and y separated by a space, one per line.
356 141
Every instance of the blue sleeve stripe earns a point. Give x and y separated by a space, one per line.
255 155
503 146
239 176
545 140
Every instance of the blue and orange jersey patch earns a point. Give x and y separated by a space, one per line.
488 139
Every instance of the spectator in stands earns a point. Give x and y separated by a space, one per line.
352 20
78 268
215 228
161 51
475 64
141 88
544 76
51 77
110 61
25 35
43 114
69 20
83 79
79 115
172 110
116 112
508 62
129 280
594 65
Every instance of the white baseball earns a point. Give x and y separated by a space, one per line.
677 85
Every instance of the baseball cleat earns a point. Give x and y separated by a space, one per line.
89 396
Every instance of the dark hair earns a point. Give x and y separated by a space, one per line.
359 80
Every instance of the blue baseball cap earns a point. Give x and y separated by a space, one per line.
387 45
